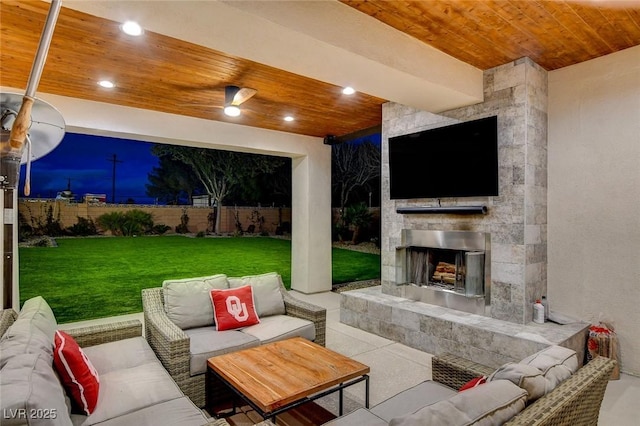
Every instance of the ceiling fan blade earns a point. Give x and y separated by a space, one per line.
243 95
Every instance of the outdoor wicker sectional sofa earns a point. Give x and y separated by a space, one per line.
134 388
571 401
179 324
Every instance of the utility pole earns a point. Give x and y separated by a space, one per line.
114 160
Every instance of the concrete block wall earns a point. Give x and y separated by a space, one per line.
35 211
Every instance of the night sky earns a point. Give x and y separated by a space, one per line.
84 163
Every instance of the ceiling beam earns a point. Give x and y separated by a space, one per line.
325 40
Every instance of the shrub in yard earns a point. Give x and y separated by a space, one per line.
201 234
111 222
183 228
83 227
133 222
25 231
160 229
137 222
358 217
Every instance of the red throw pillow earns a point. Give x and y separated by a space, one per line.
234 308
79 377
476 381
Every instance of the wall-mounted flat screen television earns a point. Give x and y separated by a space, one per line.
460 160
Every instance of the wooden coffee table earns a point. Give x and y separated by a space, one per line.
279 376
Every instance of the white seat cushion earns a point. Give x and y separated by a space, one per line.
280 327
412 399
490 404
120 354
179 411
207 342
127 390
359 417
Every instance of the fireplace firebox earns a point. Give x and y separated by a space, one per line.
446 268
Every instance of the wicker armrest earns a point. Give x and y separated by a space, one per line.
168 341
105 333
7 317
454 371
316 314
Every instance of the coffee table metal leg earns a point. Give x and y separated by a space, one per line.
340 401
366 391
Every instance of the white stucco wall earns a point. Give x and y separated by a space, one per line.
594 195
311 167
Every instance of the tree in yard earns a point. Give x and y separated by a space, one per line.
219 171
353 166
172 181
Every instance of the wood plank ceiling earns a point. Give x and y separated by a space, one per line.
488 33
169 75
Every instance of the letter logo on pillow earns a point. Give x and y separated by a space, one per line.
234 307
237 309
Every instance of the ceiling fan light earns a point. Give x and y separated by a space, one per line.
231 111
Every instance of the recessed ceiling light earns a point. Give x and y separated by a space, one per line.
132 28
106 84
289 118
232 111
348 90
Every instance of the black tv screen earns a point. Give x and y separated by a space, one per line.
459 160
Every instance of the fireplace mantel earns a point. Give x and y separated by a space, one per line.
443 210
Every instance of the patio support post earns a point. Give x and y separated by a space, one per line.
311 221
9 290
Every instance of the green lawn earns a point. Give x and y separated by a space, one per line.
86 278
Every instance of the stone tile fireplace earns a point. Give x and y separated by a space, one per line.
429 298
446 268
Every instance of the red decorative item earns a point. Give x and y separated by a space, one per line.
603 341
79 377
476 381
234 308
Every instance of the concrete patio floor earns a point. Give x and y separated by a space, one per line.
395 367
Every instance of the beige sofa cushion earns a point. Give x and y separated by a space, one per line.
555 362
120 354
490 404
131 389
359 417
266 292
412 399
177 412
525 376
30 393
280 327
187 301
